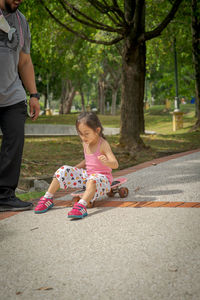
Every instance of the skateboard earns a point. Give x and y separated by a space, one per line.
115 188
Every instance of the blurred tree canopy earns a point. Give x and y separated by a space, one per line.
92 44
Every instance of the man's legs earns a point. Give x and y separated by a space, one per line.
12 120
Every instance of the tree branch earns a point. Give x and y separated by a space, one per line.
119 48
137 20
118 10
99 6
116 75
80 35
95 24
105 9
129 10
114 9
157 31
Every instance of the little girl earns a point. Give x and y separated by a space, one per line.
93 173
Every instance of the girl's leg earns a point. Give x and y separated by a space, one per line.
90 191
54 186
97 186
64 177
68 176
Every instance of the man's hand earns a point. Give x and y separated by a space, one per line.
34 108
27 75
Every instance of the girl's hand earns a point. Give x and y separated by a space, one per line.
103 159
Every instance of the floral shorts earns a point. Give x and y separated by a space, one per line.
77 178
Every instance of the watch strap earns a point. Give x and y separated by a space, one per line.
36 95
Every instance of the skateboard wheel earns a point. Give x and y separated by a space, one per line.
111 193
91 204
76 199
123 192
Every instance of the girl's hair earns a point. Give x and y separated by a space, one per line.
91 120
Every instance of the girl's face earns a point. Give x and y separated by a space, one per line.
87 134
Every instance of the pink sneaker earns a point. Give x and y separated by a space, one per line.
78 211
43 205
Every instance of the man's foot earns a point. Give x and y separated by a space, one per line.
14 204
43 205
78 211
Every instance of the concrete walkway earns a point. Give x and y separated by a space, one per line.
118 251
61 130
57 130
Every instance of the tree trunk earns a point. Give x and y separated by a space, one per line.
196 56
45 102
114 100
82 100
68 93
98 100
63 94
133 79
102 91
114 83
68 102
142 86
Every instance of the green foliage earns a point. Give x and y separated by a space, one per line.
160 56
58 54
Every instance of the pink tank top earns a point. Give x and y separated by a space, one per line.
93 164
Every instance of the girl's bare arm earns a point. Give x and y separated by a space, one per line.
81 165
108 158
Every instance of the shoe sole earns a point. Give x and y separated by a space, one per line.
77 217
43 211
3 209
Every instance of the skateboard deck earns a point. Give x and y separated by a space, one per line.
115 188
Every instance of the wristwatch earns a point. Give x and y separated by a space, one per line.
36 95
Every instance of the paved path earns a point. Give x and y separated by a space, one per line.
62 130
116 252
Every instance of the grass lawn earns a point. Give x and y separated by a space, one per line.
30 195
70 119
43 156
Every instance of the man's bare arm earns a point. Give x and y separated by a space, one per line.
27 74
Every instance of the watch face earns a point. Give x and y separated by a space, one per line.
35 95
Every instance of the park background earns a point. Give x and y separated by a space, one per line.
83 53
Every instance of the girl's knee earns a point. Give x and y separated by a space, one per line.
63 168
91 183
